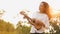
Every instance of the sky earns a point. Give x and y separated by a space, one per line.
13 7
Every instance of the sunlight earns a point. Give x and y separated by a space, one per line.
25 24
55 11
13 7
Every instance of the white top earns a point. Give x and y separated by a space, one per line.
41 17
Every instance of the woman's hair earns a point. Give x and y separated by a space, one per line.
46 9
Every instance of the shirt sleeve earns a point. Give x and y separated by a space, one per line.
47 21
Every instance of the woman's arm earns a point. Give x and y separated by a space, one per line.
32 21
38 24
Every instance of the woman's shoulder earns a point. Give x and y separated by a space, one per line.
44 15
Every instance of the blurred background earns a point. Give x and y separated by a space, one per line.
11 22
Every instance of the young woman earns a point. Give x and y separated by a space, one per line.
39 20
42 16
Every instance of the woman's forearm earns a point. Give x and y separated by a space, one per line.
31 22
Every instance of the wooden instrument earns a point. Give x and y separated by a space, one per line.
37 25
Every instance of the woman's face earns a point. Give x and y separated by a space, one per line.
42 7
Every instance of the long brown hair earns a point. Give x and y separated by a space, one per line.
46 9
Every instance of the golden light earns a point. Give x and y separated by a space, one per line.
12 7
55 13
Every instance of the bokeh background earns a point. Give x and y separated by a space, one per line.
11 22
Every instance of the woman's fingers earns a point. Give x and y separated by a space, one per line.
37 21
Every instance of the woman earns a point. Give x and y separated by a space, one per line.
39 20
42 16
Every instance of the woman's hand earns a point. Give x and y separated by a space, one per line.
39 24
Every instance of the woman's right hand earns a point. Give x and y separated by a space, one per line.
38 24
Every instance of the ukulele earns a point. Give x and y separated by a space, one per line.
37 25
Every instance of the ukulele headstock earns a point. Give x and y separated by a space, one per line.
22 12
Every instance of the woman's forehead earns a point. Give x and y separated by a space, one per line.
41 4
